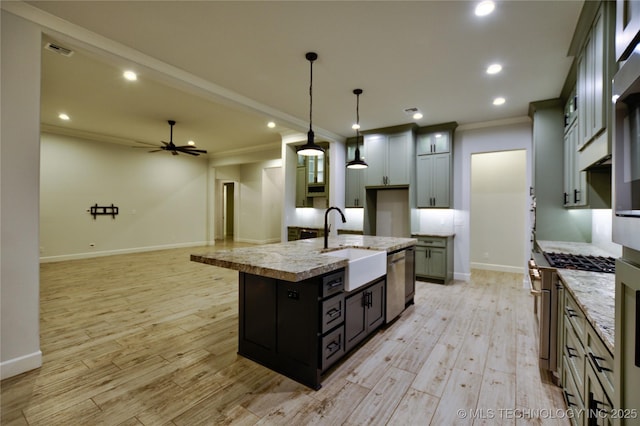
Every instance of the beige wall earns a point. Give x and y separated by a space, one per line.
162 199
498 209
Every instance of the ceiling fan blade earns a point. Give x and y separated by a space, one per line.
157 150
190 153
174 152
192 149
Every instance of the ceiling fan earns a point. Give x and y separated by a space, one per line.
174 149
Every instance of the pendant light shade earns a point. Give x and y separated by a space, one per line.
311 148
357 163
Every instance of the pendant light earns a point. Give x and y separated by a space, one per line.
311 148
357 163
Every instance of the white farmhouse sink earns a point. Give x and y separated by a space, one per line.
364 265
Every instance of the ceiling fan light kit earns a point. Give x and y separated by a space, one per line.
357 162
311 148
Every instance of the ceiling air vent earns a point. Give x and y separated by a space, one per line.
59 49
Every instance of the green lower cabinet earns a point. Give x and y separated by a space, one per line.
434 258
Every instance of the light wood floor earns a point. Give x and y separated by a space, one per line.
151 339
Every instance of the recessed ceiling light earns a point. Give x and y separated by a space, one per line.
192 143
130 75
494 69
63 116
484 8
355 126
271 124
499 101
417 115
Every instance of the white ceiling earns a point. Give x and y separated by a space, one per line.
431 55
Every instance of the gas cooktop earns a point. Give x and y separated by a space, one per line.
581 262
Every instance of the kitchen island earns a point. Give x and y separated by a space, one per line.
296 314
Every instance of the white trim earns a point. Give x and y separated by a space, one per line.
171 75
461 276
88 255
499 268
493 123
19 365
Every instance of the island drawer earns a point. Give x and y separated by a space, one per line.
432 241
332 313
601 359
332 283
332 348
574 315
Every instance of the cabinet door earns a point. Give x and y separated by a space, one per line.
424 183
597 404
438 262
355 325
441 180
433 143
354 181
375 307
301 187
598 63
579 178
399 158
421 260
257 314
298 310
584 125
568 165
375 147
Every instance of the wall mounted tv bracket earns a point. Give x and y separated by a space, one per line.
97 210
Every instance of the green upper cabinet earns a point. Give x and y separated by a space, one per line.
354 180
389 158
434 166
433 143
592 83
594 51
433 174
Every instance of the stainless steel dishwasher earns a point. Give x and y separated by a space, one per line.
395 285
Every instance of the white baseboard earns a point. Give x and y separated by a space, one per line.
15 366
88 255
461 276
498 268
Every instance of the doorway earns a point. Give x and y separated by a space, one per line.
228 210
499 198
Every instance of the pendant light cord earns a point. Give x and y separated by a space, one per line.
310 94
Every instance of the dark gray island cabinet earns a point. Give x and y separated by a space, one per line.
294 328
295 315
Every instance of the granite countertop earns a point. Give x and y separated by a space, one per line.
594 291
435 234
297 260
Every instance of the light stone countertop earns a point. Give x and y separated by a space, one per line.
594 291
297 260
434 234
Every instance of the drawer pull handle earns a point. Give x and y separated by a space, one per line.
596 363
333 312
333 346
571 313
571 355
334 283
567 395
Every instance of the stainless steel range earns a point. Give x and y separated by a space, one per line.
581 262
